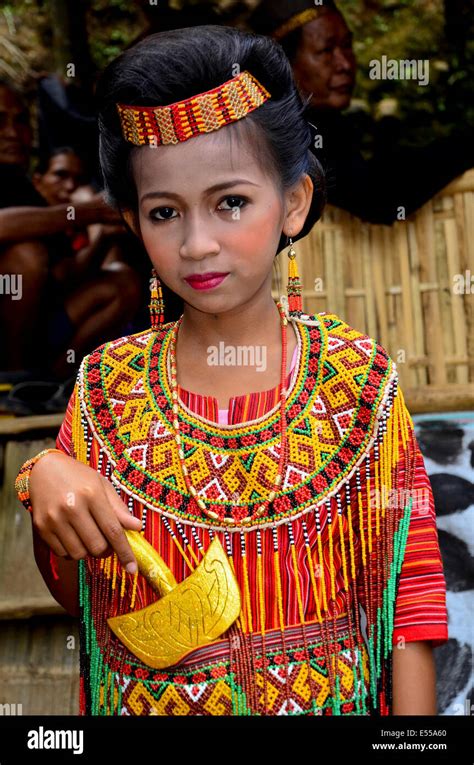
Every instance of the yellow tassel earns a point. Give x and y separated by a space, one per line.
331 559
248 615
361 528
343 554
292 268
134 590
123 583
294 290
261 597
321 570
369 508
78 435
114 575
298 585
351 541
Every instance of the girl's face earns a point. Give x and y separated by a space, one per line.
210 219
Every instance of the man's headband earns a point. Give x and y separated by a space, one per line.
203 113
298 20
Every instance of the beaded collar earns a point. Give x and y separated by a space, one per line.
157 357
340 385
292 374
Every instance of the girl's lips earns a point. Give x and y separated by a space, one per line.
205 281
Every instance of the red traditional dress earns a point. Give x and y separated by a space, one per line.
345 566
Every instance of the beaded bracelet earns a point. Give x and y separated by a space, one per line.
23 477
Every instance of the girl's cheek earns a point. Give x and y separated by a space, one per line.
154 240
253 236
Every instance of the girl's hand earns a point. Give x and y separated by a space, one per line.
77 512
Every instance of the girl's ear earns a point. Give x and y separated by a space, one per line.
131 221
298 204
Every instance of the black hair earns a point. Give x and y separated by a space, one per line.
291 43
43 162
177 64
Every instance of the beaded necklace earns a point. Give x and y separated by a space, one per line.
264 507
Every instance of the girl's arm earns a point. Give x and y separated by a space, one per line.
75 512
65 589
414 679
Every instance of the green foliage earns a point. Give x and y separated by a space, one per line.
410 30
112 25
398 29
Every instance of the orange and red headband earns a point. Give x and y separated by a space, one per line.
229 102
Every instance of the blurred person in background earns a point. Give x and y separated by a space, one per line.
91 277
318 43
49 258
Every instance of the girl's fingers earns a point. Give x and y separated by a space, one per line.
108 512
71 542
126 518
88 532
56 546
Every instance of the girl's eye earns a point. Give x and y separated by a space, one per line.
161 211
234 202
162 214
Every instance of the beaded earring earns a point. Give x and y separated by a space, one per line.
295 301
156 306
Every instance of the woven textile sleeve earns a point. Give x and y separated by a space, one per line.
421 612
73 423
414 606
64 437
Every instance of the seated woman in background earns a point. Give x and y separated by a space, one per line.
90 276
49 251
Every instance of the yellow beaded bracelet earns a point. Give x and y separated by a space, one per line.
23 477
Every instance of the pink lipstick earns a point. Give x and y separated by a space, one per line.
205 281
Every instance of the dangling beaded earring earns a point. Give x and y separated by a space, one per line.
157 306
295 301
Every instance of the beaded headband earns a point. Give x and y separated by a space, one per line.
203 113
298 20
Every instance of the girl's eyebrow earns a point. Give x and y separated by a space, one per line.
215 187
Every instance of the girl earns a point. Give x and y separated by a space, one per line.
299 569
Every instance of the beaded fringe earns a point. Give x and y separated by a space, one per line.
364 515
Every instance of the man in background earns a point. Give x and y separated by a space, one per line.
318 43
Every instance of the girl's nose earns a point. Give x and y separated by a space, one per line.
198 240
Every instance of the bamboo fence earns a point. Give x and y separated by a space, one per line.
409 285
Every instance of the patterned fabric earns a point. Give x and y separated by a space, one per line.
330 552
201 113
